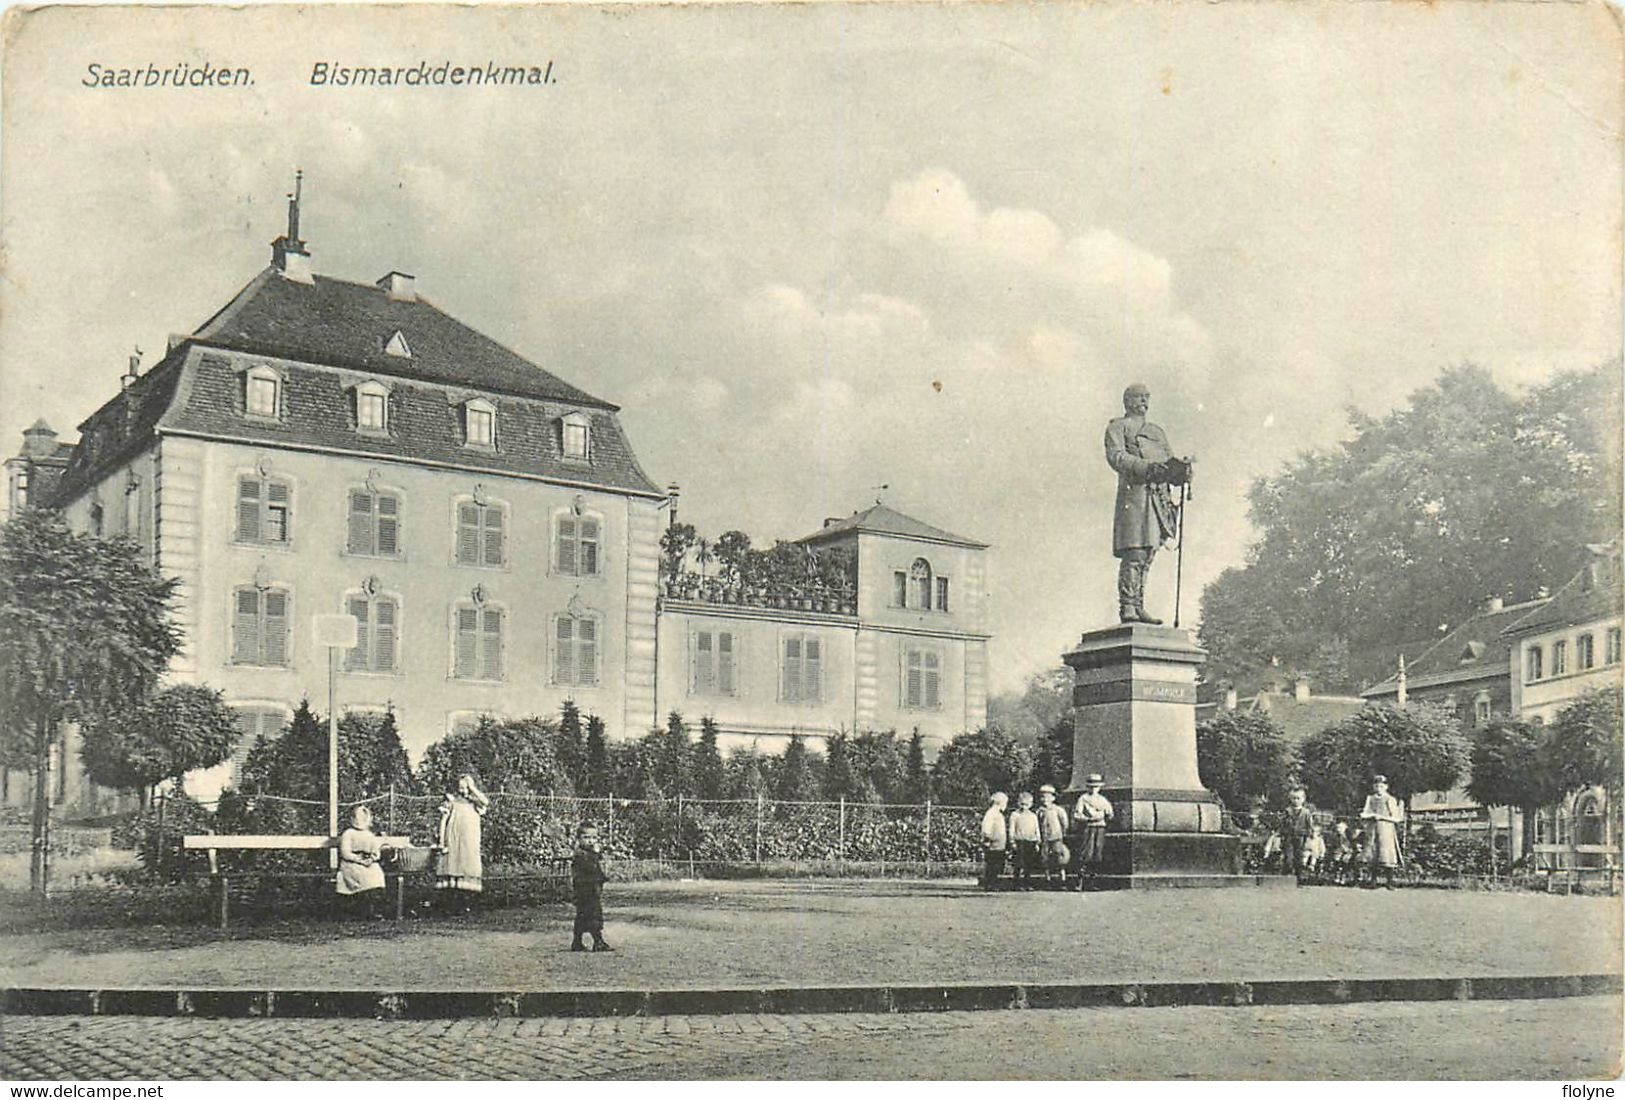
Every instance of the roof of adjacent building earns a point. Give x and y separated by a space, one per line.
1591 594
881 520
345 324
1302 718
1474 650
326 337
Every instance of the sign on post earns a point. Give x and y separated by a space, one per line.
335 630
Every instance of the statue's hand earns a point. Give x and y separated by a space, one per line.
1176 471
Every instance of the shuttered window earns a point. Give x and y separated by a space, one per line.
252 724
377 633
899 589
802 679
375 524
575 650
481 537
263 508
922 679
478 645
942 593
260 627
1585 652
713 662
578 545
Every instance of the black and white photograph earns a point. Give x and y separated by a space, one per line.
1045 542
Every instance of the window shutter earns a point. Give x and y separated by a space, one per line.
900 589
493 536
567 546
589 547
468 534
933 680
942 593
586 651
357 658
813 670
360 529
791 689
389 524
248 509
276 511
246 647
467 640
705 680
491 654
276 628
564 650
384 634
725 663
912 690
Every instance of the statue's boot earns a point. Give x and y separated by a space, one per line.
1131 573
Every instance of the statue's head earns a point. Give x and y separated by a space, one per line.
1137 399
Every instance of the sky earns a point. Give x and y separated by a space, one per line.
816 250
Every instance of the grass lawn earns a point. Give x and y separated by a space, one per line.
816 932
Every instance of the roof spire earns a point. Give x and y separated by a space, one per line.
288 252
293 204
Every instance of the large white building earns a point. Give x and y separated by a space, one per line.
323 446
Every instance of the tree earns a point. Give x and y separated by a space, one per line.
919 778
974 765
571 750
1465 492
1043 702
675 543
174 730
840 778
1509 769
294 763
1244 757
597 784
1583 746
676 772
1052 763
84 631
795 779
1418 749
710 780
879 759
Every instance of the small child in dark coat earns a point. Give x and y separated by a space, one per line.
587 879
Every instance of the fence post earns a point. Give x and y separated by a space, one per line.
758 826
928 837
611 821
677 839
392 808
840 852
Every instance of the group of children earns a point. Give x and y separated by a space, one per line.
1033 841
1301 848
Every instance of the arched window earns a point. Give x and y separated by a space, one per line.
919 579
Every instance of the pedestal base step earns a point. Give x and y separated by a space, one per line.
1182 881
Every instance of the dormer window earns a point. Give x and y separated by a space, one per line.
479 423
397 346
262 392
576 429
372 407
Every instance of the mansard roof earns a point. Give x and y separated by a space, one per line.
345 324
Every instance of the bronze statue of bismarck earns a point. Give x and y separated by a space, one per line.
1146 516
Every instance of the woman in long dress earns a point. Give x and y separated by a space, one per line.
460 871
360 881
1383 814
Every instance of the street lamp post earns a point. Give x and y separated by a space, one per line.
336 632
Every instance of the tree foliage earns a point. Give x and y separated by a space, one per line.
168 733
293 764
84 631
1583 744
1244 758
1465 492
974 765
1418 749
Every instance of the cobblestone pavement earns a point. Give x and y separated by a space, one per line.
1572 1039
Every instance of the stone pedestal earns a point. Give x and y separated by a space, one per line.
1134 722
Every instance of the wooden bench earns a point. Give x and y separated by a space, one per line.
214 844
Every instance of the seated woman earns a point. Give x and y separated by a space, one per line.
360 880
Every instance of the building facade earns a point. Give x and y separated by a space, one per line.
322 447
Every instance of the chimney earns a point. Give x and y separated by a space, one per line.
132 372
1400 695
1300 689
671 495
399 286
39 441
830 521
1229 698
1493 604
288 252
